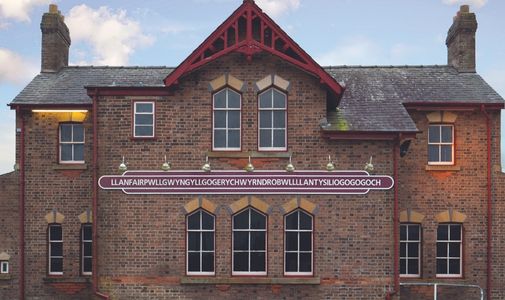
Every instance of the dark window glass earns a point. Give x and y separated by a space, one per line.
413 265
71 143
194 221
55 240
56 249
241 261
306 262
257 261
141 131
298 243
442 232
66 132
56 265
410 243
144 107
291 262
144 119
440 144
200 243
207 262
193 262
272 120
194 241
449 250
86 248
249 242
227 119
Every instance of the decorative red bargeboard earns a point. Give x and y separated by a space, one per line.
242 182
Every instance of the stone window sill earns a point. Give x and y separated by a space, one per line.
5 277
252 280
252 154
59 279
71 167
442 168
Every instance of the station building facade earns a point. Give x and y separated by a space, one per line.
220 178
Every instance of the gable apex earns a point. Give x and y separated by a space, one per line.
248 30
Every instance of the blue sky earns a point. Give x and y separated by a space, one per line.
334 32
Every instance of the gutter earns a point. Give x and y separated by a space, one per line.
396 222
95 201
21 207
489 207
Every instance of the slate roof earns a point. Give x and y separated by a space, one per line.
373 99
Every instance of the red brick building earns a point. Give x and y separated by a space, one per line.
250 170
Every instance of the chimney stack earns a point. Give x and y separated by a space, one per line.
461 41
55 40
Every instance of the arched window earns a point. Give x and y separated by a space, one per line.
272 120
226 106
298 253
55 245
249 243
200 243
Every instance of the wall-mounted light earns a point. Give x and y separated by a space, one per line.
249 167
330 166
166 165
369 165
289 166
60 110
122 166
206 166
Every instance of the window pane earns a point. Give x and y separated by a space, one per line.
258 221
305 221
56 265
55 233
56 249
442 232
143 119
194 262
233 119
241 221
265 138
442 249
434 134
279 99
207 262
291 262
403 232
454 266
441 266
87 264
208 241
266 99
144 107
79 152
194 221
258 240
87 232
87 249
240 240
194 241
291 241
265 119
233 99
305 262
240 261
454 249
219 119
279 138
78 133
403 266
292 221
413 249
403 249
220 99
413 233
66 152
305 241
433 153
280 119
446 134
219 138
446 153
455 232
413 266
66 132
233 138
143 130
257 261
207 221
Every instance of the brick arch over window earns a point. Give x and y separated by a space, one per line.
411 216
441 117
272 80
86 217
254 202
200 203
226 80
300 203
54 217
450 216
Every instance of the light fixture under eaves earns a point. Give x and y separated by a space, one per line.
60 110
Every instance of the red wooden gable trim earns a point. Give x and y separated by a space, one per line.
249 31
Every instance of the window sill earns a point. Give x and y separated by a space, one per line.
252 154
143 139
5 276
251 280
61 279
66 167
442 168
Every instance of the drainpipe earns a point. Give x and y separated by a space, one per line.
21 206
95 200
396 222
489 206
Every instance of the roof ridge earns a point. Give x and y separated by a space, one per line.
385 66
117 67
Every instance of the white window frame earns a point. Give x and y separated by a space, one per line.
447 257
84 241
50 256
440 144
226 109
298 231
407 257
249 230
72 142
272 129
4 267
200 251
135 113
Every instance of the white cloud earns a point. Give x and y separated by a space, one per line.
112 36
19 9
354 51
15 69
278 7
476 3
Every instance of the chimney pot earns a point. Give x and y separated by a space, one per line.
464 8
53 8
